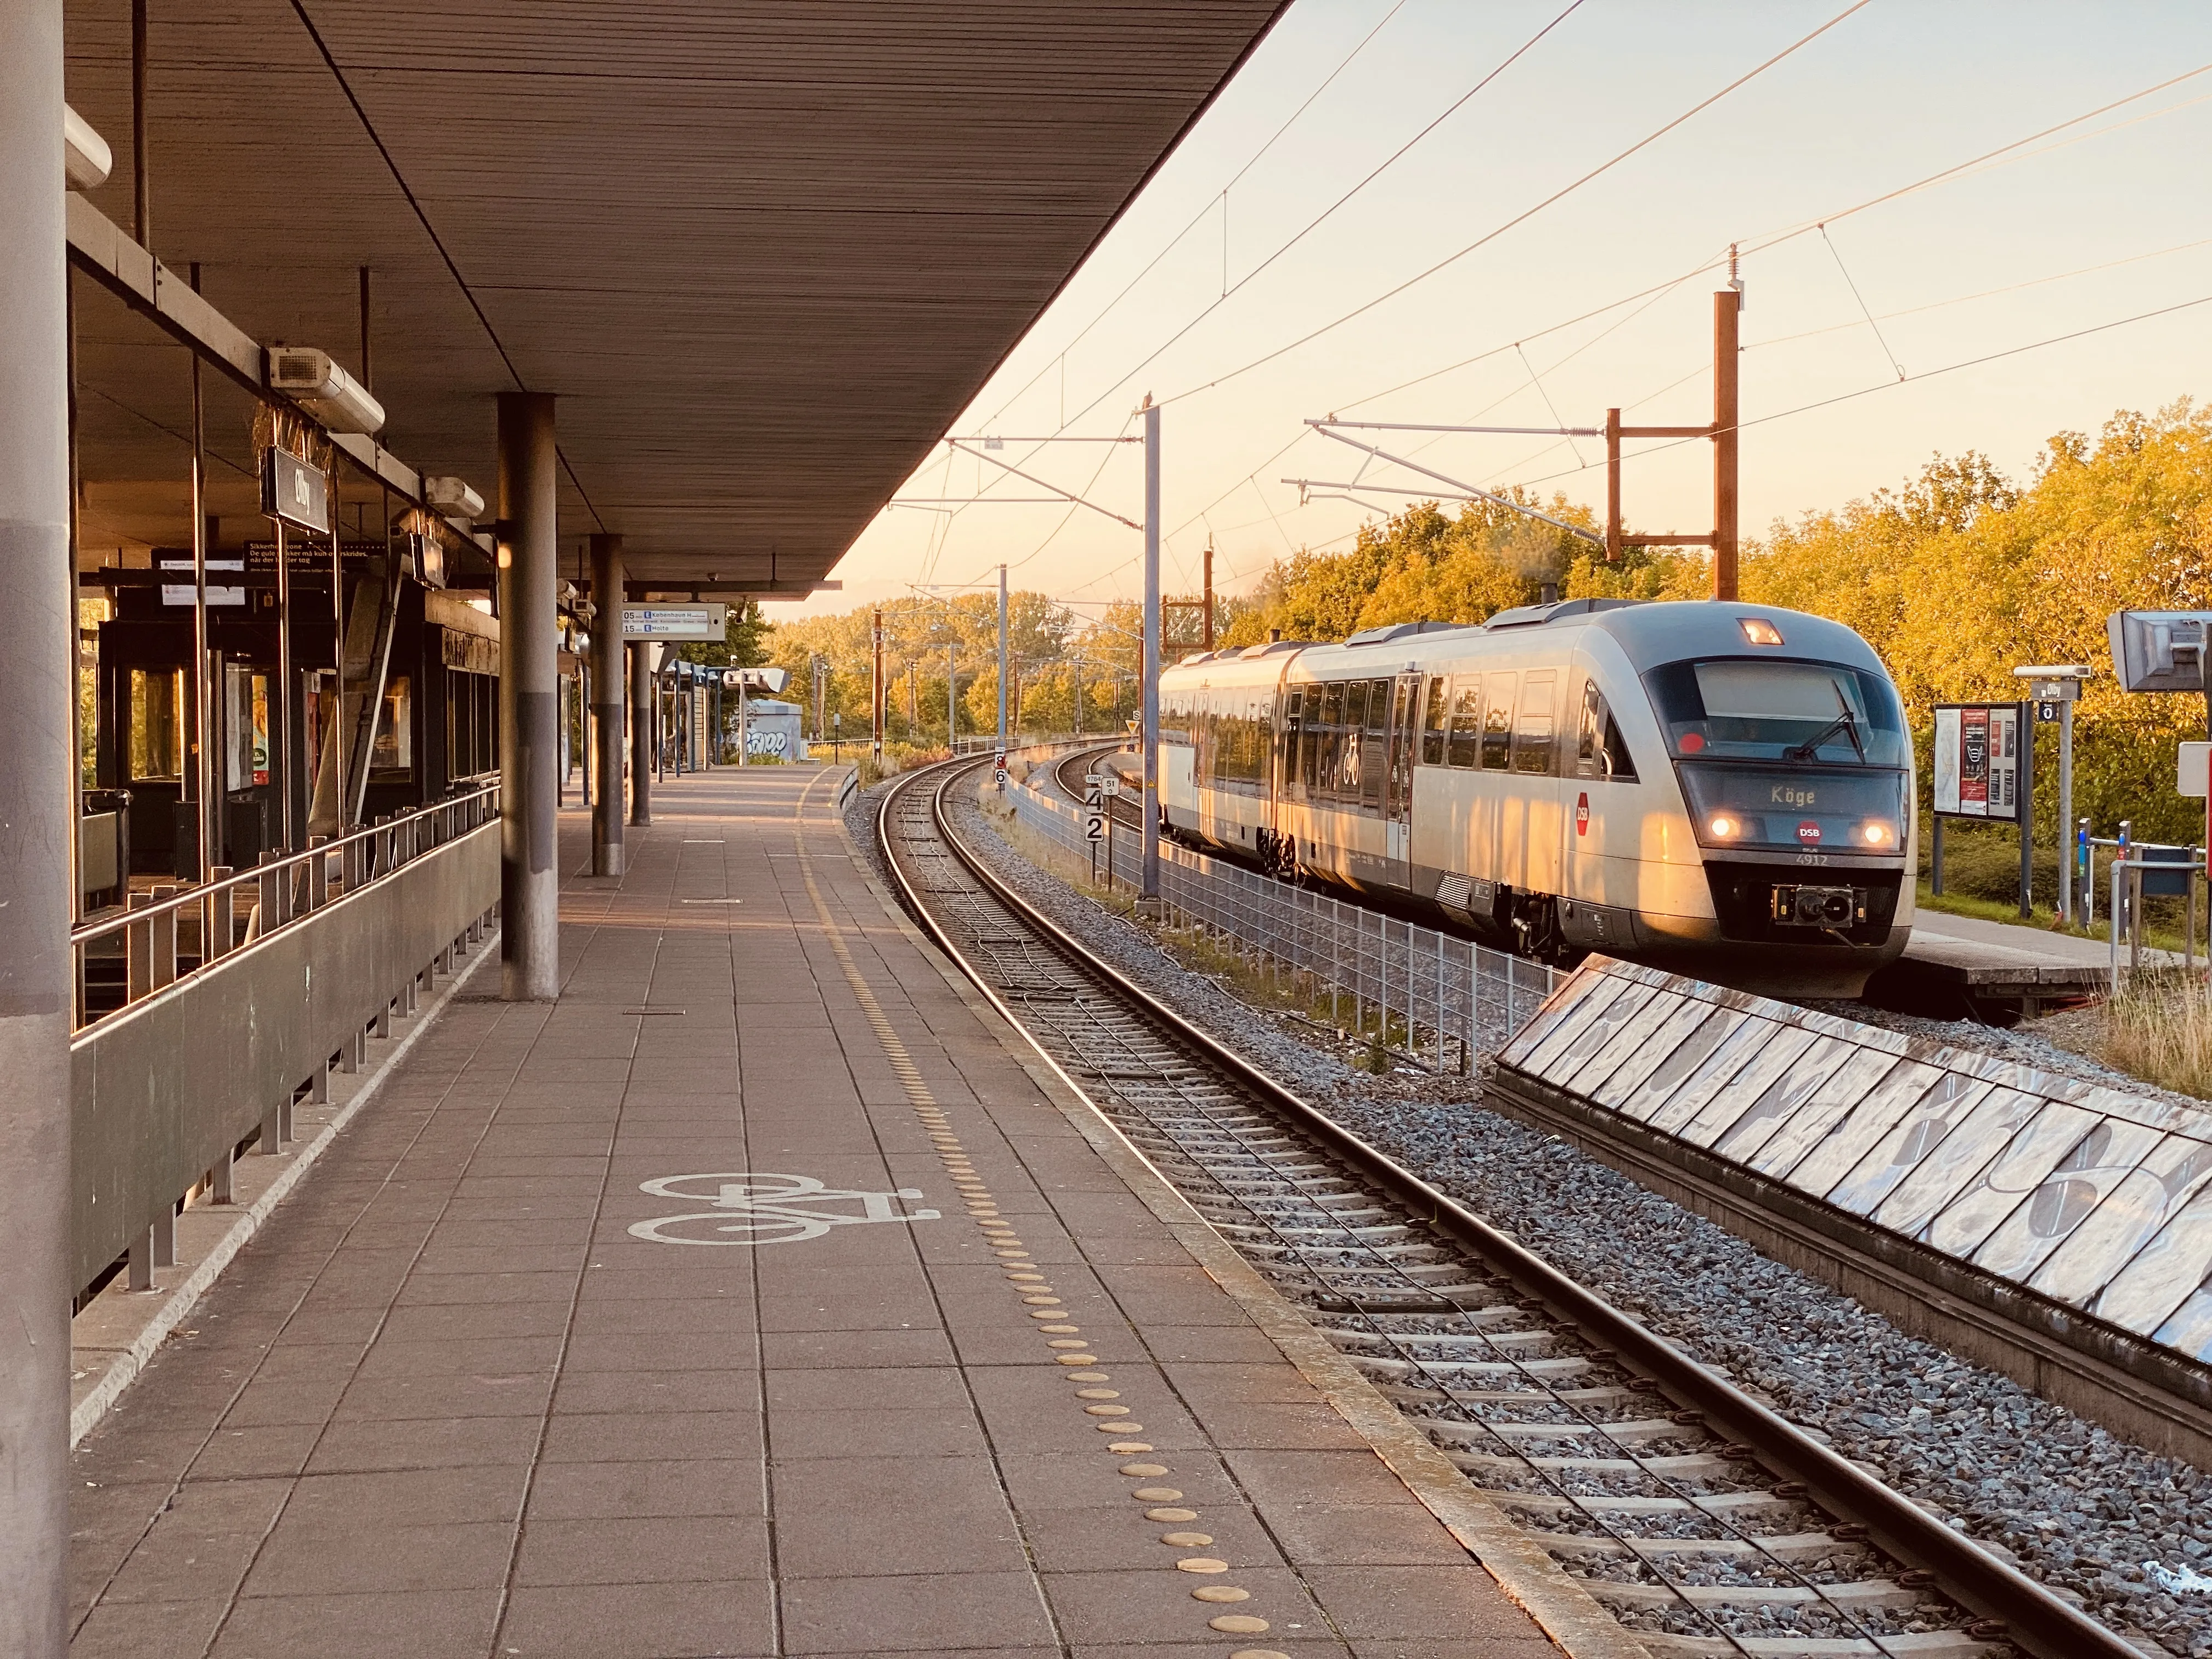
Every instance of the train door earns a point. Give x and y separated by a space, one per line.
1398 796
1536 783
1495 830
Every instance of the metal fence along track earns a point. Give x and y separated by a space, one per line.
1439 999
1702 1520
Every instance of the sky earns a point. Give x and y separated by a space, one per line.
1874 304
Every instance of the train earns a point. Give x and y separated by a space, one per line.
1715 788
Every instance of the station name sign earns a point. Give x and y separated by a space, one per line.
294 492
709 622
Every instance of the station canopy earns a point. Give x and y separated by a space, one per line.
763 253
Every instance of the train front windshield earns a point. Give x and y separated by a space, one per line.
1810 756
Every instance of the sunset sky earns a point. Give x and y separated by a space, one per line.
2101 220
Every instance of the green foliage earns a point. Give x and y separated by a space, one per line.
744 641
1955 578
1419 566
1962 575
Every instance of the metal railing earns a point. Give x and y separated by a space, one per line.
1440 1001
174 933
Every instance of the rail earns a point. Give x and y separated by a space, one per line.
1438 999
2001 1603
173 933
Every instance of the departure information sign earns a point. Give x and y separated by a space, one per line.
1978 760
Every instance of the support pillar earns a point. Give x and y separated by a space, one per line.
609 687
38 624
644 709
1727 303
529 695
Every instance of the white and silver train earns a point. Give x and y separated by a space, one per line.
1715 788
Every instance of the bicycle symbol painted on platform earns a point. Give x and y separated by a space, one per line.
766 1209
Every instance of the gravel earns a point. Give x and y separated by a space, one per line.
2123 1531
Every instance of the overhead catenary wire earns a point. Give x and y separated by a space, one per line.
2014 151
1518 219
1221 196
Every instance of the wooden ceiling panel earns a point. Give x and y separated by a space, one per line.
763 251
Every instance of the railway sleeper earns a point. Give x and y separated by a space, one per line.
1630 1431
1773 1547
1387 1231
1496 1313
1865 1593
1676 1465
1715 1504
1913 1645
1449 1398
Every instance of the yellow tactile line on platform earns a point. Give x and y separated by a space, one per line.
1037 1295
1562 1606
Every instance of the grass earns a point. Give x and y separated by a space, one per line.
2160 1030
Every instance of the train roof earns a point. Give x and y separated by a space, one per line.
1647 632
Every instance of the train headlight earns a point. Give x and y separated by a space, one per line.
1877 834
1723 827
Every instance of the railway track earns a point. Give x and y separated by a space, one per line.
1704 1522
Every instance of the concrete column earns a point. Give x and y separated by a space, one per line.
608 700
529 697
37 643
644 709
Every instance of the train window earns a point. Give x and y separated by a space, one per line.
1467 722
1497 726
157 724
1600 752
1436 719
1737 709
1532 733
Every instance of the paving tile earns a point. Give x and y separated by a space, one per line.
345 1556
640 1621
1414 1603
148 1630
665 1487
419 1625
637 1550
424 1443
985 1612
878 1515
608 1437
433 1497
1157 1606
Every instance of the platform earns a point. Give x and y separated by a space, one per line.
559 1351
1965 965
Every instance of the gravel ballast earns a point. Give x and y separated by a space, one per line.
2097 1518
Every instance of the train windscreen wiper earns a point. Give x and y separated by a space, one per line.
1846 722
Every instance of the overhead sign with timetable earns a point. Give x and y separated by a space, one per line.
708 623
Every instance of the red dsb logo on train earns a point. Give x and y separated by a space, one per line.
1582 814
1808 831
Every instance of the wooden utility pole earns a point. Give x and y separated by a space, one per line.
1727 303
1208 642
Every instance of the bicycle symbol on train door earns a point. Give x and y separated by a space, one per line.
751 1208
